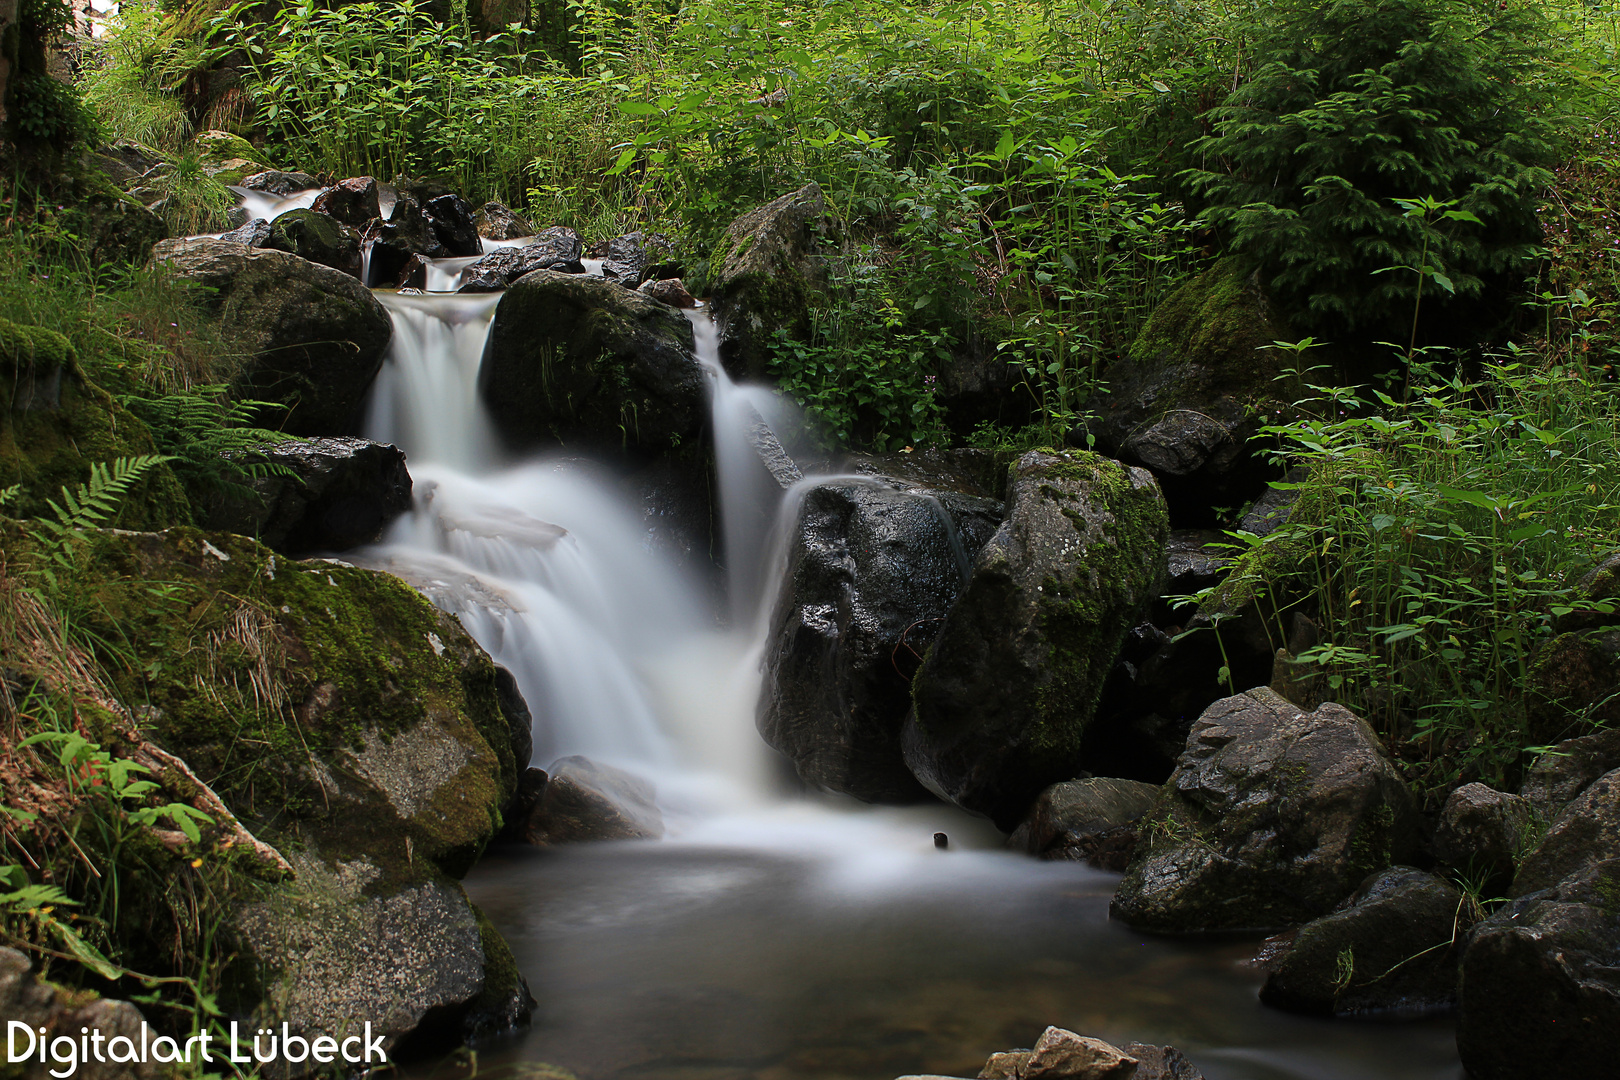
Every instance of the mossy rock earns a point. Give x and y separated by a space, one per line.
333 709
215 148
57 424
773 267
317 237
579 361
1004 696
1197 383
1271 818
311 338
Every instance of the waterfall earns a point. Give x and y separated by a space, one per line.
616 648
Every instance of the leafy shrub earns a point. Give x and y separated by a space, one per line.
1356 102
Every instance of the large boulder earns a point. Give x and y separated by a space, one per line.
1540 992
312 235
57 424
1004 696
354 202
1272 817
348 722
280 184
310 338
327 494
1587 832
1392 947
872 568
406 233
1199 381
582 362
581 800
1092 820
773 264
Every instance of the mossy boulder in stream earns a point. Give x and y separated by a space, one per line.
56 424
311 338
1004 696
346 721
773 264
578 361
312 235
1272 817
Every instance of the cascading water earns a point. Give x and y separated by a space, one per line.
797 938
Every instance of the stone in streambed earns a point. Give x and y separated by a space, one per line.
1392 947
671 291
308 337
278 183
1061 1054
1540 992
1272 816
1560 775
1092 820
578 361
354 202
1003 698
581 800
1587 832
558 249
496 221
872 568
1481 834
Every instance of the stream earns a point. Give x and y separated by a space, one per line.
770 934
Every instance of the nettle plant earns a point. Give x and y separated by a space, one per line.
1453 525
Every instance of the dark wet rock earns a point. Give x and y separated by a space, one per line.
1272 816
112 227
582 800
342 492
278 183
1562 773
1392 947
353 202
452 222
1196 558
623 259
671 291
64 1014
405 233
1004 697
59 424
1091 820
309 337
496 221
773 262
871 571
1540 991
413 275
255 233
320 239
1274 507
1588 831
580 361
555 249
519 719
1161 1063
1481 834
1197 383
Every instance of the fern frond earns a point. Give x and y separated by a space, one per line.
97 499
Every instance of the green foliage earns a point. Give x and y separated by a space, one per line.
211 441
863 377
193 201
46 112
133 77
1356 103
1455 526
